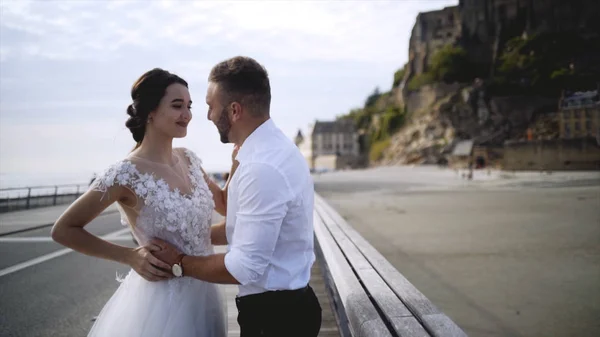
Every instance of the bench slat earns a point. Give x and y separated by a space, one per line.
442 325
356 304
388 302
409 327
425 311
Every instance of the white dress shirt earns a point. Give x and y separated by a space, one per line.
269 222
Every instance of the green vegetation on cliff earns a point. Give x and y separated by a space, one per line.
540 65
390 120
547 63
398 76
449 64
379 119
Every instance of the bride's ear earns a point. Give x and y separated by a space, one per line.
151 116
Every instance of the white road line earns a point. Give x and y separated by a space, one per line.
29 239
53 255
49 239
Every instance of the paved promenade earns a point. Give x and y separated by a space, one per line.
503 255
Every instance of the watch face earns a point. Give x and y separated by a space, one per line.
177 271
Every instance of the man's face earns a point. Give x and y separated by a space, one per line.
217 112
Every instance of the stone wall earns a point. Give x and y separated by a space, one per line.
432 31
520 110
334 162
556 155
325 162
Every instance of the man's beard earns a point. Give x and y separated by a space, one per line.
224 126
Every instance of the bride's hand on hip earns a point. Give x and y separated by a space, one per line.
147 265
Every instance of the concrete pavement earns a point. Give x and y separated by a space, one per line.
516 256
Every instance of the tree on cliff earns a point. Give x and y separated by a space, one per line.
451 64
372 99
399 76
548 63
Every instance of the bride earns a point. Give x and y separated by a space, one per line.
161 192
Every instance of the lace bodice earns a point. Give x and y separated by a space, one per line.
182 219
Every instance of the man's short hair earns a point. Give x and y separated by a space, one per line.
245 81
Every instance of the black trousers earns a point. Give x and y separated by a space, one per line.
286 313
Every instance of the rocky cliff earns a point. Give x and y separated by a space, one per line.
448 113
484 27
483 70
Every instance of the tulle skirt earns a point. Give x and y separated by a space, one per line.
181 307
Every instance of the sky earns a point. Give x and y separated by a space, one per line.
66 69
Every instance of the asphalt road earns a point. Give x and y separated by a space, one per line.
60 296
501 257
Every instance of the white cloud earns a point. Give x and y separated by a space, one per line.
300 30
16 107
67 67
4 53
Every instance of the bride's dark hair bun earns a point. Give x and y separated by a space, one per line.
146 94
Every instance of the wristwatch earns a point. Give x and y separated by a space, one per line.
177 268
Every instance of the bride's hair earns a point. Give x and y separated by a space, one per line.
146 94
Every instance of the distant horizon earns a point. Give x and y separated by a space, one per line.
67 68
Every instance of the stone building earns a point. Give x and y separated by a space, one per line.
579 115
299 139
334 145
337 137
304 144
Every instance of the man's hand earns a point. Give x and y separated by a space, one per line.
209 268
145 262
167 253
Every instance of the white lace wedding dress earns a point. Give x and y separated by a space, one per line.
175 205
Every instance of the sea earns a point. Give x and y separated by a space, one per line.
13 185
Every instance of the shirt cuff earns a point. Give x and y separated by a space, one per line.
233 264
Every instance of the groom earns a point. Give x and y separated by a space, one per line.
269 222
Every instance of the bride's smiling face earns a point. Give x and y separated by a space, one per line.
173 113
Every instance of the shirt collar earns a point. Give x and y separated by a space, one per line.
250 142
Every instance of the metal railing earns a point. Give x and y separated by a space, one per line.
17 198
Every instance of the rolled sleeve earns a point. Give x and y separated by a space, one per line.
262 205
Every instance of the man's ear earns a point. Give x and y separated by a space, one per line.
236 111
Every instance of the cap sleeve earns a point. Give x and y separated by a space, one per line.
122 173
194 159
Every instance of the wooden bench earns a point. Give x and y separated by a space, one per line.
370 298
